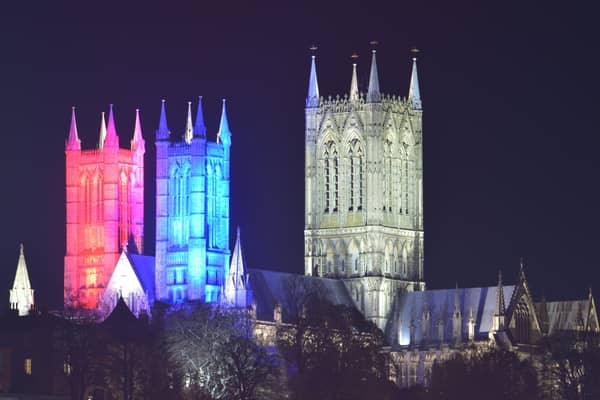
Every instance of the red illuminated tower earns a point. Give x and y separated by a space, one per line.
105 209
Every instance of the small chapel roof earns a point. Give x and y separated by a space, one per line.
271 288
409 308
564 316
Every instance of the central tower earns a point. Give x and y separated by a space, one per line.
192 210
364 191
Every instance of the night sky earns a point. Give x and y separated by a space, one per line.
511 133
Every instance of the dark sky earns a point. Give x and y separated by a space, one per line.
510 97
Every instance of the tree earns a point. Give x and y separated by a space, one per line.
493 374
215 354
330 351
77 344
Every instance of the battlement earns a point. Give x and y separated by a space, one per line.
346 104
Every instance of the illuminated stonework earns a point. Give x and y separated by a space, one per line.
192 210
105 209
364 192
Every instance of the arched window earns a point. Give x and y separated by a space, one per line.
124 209
522 324
179 209
352 179
327 178
336 197
387 176
356 175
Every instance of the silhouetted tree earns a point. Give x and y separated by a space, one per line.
330 351
493 375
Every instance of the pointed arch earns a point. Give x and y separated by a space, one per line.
354 256
328 124
388 255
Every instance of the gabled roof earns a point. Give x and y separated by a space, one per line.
144 269
410 307
270 288
564 316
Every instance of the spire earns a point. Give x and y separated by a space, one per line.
312 100
224 133
414 94
500 296
236 270
163 133
73 142
456 301
189 128
138 140
373 94
199 128
237 291
354 85
112 139
21 295
102 132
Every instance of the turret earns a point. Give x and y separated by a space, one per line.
163 133
354 95
102 136
112 139
414 94
373 94
199 127
224 134
312 99
237 286
457 317
137 142
21 294
498 319
73 142
189 128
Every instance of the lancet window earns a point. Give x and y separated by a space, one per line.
388 176
355 157
124 208
180 205
331 177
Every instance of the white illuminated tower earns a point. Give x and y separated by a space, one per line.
364 191
21 294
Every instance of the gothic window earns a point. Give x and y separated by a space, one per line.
335 181
327 176
343 266
352 178
179 207
331 177
387 176
124 209
356 176
356 264
406 187
522 322
91 277
360 181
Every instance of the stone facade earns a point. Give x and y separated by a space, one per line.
364 192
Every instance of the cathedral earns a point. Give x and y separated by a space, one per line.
363 233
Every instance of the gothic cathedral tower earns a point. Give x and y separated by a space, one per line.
105 209
192 210
364 191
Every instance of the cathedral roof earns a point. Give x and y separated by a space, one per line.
144 269
563 316
271 288
409 308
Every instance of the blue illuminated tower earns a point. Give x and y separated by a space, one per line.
192 210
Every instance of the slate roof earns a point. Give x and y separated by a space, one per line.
144 269
410 307
564 315
271 287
